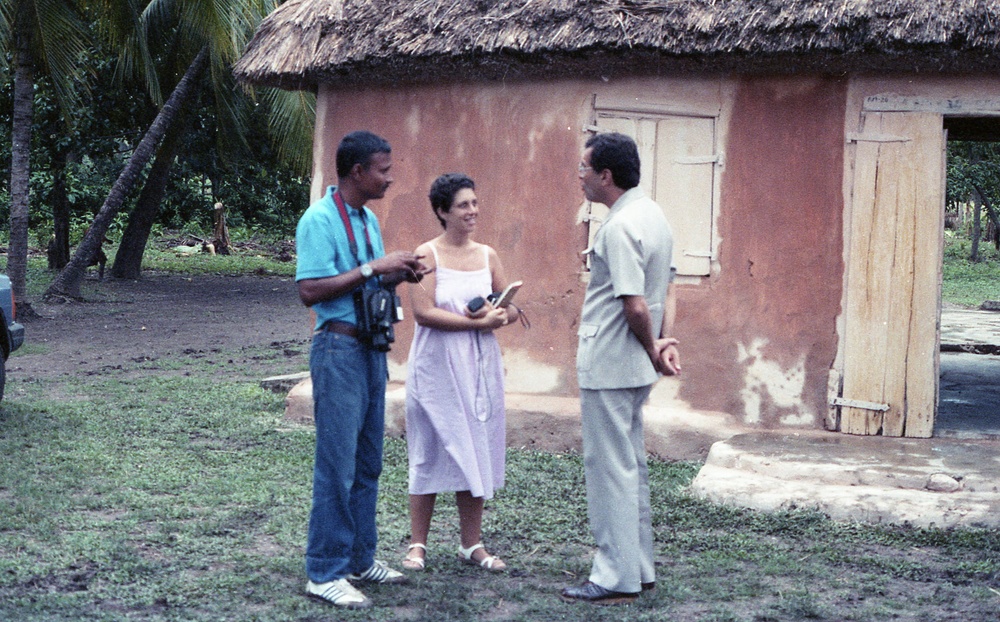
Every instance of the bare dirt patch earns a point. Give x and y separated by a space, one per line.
122 323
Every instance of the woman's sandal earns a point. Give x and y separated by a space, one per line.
415 563
490 562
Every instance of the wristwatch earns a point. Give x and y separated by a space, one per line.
366 270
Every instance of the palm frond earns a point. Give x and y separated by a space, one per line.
62 41
6 20
291 122
231 113
122 27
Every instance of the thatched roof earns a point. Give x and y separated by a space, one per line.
367 42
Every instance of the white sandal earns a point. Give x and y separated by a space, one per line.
415 563
490 562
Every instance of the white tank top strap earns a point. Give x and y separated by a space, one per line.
437 261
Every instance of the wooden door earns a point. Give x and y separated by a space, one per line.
891 360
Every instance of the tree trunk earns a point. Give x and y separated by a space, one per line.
58 250
977 228
220 232
128 260
67 283
991 213
20 161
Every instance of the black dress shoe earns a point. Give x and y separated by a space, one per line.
649 587
590 592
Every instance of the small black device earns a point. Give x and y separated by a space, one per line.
497 299
476 304
377 309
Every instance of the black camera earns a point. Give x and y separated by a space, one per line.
377 310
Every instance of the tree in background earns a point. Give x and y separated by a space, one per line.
67 282
973 178
212 134
46 37
74 165
211 33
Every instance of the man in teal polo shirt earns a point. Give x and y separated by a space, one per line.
349 377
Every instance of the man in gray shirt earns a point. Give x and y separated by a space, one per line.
623 348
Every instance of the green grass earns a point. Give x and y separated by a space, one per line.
251 257
166 492
968 283
240 262
186 497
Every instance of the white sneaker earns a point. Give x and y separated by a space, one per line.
380 572
339 593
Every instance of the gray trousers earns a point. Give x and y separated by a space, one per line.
614 457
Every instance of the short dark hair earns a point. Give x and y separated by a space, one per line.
444 189
618 154
358 148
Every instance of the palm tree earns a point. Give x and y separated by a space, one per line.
48 37
214 32
67 282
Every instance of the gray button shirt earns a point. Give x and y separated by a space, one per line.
631 256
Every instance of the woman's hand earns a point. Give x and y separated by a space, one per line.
493 319
480 312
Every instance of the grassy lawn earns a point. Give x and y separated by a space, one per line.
181 497
172 494
968 283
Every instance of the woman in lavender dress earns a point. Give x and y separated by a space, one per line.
455 423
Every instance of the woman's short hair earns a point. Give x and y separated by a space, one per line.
444 189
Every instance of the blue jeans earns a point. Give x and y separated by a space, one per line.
349 394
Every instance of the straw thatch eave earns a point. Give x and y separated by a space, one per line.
370 42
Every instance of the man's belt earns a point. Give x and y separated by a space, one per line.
341 328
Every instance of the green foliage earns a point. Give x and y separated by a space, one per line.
88 147
971 165
965 282
972 168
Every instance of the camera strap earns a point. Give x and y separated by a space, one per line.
342 208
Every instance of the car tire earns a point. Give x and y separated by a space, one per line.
3 378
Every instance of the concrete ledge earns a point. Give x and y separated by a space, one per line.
922 482
552 423
283 384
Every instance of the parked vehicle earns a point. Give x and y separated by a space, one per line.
12 335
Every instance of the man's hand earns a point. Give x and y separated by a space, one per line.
399 266
668 359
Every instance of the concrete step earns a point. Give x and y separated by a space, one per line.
924 482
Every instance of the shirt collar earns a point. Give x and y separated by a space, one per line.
351 209
630 195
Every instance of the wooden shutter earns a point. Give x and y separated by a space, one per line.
890 382
678 170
